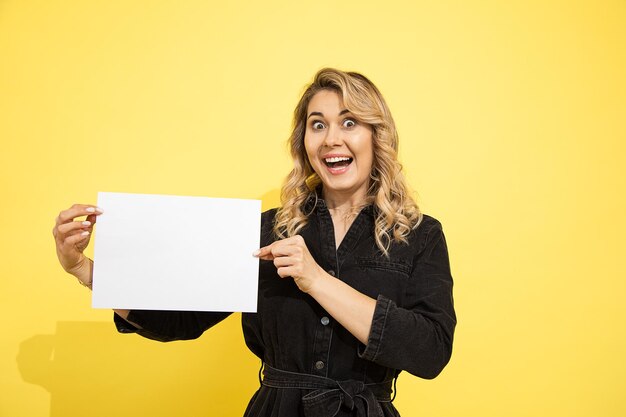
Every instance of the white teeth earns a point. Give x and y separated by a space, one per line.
336 159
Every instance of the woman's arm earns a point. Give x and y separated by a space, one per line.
352 309
417 336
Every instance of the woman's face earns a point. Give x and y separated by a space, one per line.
339 147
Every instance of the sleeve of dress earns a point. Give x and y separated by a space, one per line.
166 326
417 337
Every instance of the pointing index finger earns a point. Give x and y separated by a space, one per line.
264 253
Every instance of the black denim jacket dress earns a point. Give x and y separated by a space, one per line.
412 328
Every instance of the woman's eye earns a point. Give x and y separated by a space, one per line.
318 125
349 123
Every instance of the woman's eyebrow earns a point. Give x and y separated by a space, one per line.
317 113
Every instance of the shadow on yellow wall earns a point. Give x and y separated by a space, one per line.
89 369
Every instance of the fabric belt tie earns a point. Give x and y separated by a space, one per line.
329 395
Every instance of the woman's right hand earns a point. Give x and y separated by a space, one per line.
72 237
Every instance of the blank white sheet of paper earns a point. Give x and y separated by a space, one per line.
160 252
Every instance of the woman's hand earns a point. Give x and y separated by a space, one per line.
293 259
352 309
72 237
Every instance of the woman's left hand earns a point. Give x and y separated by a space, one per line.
293 259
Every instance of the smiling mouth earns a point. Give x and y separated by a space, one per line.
337 162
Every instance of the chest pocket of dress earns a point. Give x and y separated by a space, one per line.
388 277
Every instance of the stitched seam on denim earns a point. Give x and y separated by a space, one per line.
405 272
314 401
367 405
315 378
327 245
313 397
382 330
425 241
398 266
293 385
384 384
314 348
376 347
354 233
395 260
420 252
366 365
328 351
375 337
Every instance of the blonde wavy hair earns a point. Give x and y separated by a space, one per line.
395 210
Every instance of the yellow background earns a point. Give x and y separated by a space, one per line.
512 120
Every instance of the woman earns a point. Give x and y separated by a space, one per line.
354 282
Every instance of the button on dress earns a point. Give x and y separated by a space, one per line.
412 328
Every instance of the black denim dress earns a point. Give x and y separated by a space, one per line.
315 367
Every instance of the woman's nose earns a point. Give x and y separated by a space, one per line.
334 137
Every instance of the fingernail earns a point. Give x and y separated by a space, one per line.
256 252
99 210
90 209
86 223
85 233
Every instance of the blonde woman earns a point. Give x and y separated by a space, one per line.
354 281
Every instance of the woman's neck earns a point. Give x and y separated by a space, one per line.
343 204
343 210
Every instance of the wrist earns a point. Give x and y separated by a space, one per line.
318 285
83 271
